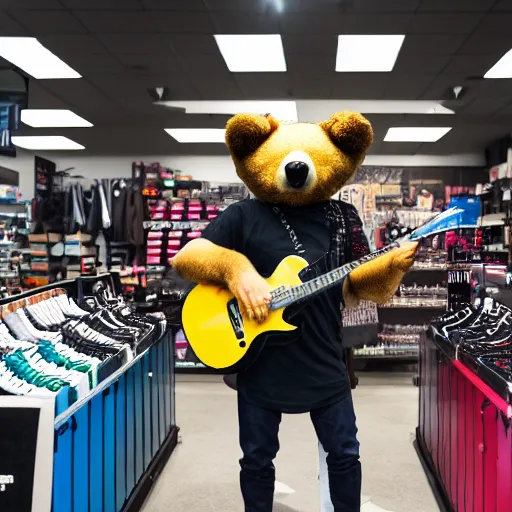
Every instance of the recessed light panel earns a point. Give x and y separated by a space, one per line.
46 143
31 56
246 53
360 53
281 110
191 135
53 118
415 134
502 68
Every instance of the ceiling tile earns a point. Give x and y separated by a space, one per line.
503 5
8 5
240 5
461 23
347 6
485 106
216 88
407 86
312 23
239 22
427 64
72 44
358 85
455 5
147 22
143 44
431 44
310 45
397 148
493 88
131 87
318 23
186 44
496 23
486 44
88 65
263 85
125 5
40 97
173 5
471 65
9 27
48 22
205 64
309 65
299 88
78 94
438 86
154 64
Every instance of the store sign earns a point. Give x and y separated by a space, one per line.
26 454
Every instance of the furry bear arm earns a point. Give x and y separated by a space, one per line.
202 261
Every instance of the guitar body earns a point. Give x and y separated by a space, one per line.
220 337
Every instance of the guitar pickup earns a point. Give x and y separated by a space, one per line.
235 317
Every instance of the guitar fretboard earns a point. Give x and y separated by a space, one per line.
283 297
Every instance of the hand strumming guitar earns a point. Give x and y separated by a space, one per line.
252 293
204 262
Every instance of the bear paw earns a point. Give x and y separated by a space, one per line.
402 258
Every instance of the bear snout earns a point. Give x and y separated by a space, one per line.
296 173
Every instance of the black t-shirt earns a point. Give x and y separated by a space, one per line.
309 372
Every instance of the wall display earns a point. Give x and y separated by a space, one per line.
44 172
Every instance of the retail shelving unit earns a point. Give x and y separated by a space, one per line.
102 450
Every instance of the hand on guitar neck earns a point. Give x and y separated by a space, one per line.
378 280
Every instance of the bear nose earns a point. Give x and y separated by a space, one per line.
296 173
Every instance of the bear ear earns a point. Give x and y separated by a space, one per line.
350 132
245 133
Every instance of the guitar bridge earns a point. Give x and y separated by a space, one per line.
237 322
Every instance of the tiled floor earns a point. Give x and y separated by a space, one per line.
202 475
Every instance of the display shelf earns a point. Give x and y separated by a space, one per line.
424 305
394 357
167 224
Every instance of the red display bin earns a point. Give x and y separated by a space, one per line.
464 437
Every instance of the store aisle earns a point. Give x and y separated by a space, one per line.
202 475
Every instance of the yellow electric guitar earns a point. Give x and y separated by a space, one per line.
225 340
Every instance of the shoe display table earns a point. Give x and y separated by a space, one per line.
464 437
103 451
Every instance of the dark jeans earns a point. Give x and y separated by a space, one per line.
336 429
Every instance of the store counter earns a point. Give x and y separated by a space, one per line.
464 437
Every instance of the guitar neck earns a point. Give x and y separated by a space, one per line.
288 296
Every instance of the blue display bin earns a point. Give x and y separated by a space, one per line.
110 446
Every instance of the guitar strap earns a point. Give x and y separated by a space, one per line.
346 242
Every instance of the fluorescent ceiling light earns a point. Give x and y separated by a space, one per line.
312 111
186 135
252 53
53 118
502 68
48 143
281 110
409 134
360 53
31 56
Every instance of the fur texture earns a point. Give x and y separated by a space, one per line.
258 145
261 148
